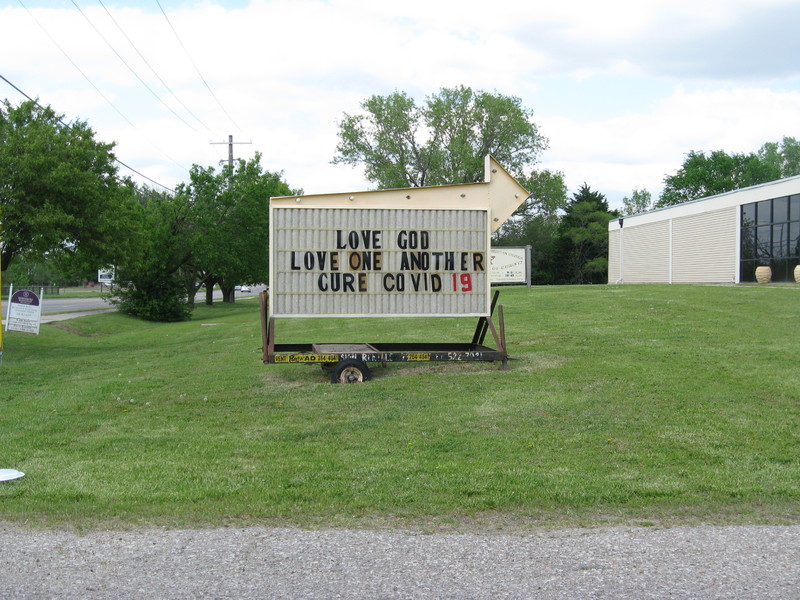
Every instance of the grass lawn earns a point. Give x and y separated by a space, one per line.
647 404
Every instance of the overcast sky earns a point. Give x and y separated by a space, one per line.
622 89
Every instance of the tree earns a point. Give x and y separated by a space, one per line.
581 247
548 193
401 144
784 156
151 279
59 191
702 176
230 233
639 201
535 223
537 231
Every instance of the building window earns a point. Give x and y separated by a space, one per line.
770 236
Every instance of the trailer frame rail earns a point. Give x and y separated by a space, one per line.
349 362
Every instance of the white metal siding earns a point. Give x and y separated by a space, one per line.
704 247
614 264
645 253
704 235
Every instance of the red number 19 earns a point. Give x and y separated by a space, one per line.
466 282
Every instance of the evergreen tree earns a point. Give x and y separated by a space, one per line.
581 246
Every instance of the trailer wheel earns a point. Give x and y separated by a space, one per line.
350 371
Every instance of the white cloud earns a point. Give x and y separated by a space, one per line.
623 89
631 151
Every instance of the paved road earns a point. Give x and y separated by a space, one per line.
72 305
60 309
682 563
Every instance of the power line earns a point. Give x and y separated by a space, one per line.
199 74
135 74
60 120
151 67
67 56
109 102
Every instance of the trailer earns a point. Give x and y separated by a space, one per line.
350 363
414 252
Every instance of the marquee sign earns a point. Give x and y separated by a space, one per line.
410 252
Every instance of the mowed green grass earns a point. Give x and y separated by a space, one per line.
624 404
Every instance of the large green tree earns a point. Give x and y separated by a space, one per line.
704 175
581 248
213 230
548 192
60 196
230 233
402 144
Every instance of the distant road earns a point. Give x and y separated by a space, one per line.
51 306
60 305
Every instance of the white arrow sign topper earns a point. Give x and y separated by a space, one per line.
403 252
499 192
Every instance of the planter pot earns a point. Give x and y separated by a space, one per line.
797 273
763 274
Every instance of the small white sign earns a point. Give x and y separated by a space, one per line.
509 265
24 312
105 276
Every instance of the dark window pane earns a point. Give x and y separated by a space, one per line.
748 270
794 208
780 240
764 242
764 212
748 243
780 270
794 238
749 214
780 210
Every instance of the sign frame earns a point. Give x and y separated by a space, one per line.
498 196
24 312
483 214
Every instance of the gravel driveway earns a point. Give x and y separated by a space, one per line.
747 562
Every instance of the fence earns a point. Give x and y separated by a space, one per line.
48 290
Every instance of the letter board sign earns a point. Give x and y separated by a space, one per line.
387 253
379 262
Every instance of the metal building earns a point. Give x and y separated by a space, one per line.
719 239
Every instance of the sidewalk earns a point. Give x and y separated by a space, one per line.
74 315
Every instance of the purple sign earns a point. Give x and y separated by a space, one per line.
24 312
26 297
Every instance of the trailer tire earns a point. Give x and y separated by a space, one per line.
350 370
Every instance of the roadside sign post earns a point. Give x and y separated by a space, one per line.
105 277
24 312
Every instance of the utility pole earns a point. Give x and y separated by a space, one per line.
230 143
